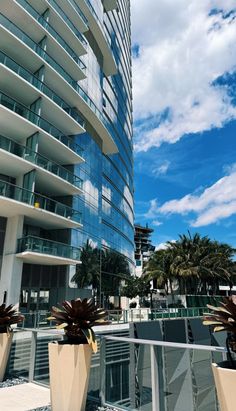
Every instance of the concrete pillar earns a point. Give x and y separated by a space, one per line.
11 273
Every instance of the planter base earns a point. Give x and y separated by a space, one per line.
5 346
69 368
225 380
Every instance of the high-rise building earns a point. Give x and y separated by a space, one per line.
143 246
66 166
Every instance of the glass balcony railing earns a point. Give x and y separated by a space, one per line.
41 161
34 46
79 11
130 374
37 49
23 195
34 118
51 30
41 245
28 76
67 20
100 23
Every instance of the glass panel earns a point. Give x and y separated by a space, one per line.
41 370
36 82
121 371
40 245
39 121
34 46
39 201
68 22
127 382
19 360
51 30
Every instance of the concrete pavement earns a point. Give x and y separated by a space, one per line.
24 397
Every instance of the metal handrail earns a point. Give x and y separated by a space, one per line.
156 372
165 343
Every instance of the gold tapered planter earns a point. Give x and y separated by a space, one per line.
5 346
69 368
225 380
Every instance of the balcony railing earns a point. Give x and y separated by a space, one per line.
41 161
51 30
43 246
38 50
32 79
67 20
130 374
79 11
134 315
22 195
98 20
9 25
34 118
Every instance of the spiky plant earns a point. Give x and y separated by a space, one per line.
8 316
223 318
77 317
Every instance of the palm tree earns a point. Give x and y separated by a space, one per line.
88 272
158 268
199 263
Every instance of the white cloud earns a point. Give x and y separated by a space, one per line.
213 204
153 209
156 223
161 169
182 50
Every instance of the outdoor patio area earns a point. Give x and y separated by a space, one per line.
127 373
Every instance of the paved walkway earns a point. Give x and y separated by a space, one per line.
24 397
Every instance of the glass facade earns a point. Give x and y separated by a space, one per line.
66 155
107 206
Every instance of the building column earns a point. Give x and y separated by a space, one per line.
11 273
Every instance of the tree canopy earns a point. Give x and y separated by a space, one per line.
135 286
88 272
196 264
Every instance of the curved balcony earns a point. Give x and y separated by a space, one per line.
85 105
50 177
66 119
110 4
103 41
69 28
37 208
82 23
56 45
27 40
36 250
74 13
32 117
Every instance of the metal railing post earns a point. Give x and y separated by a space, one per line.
154 380
32 355
102 393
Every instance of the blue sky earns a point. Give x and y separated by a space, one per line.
184 84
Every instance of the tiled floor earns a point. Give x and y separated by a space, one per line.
24 397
